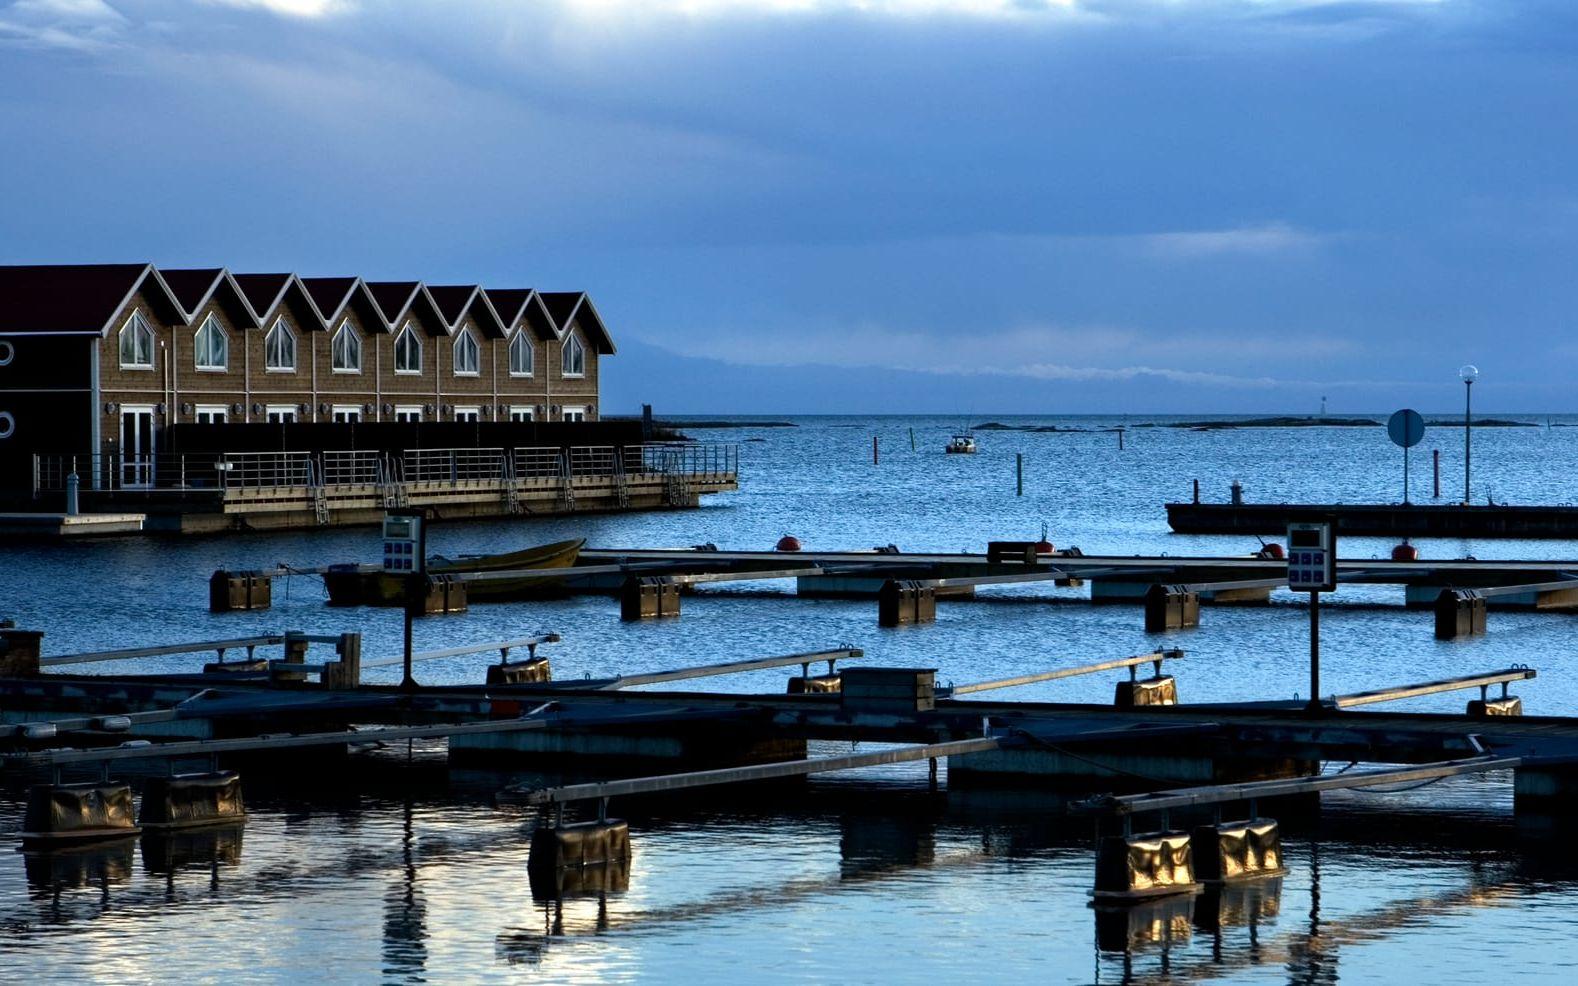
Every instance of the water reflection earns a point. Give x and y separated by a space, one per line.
101 865
405 914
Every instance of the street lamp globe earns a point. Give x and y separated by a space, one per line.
1468 373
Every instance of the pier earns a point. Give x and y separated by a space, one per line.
1400 520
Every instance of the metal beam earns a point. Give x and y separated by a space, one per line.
192 648
710 670
1510 590
758 772
503 646
1433 687
1219 793
1029 679
138 750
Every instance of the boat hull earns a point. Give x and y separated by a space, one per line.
364 585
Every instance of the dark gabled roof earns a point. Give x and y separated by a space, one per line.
561 306
262 291
517 304
568 307
329 294
393 298
192 286
452 300
75 299
510 303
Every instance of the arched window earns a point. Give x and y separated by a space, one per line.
574 356
347 349
279 348
467 355
136 343
408 350
211 347
521 354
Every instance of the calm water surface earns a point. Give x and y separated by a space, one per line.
411 874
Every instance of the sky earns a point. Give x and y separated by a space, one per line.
861 206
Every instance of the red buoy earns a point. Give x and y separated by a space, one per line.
1271 549
788 543
1405 552
1044 547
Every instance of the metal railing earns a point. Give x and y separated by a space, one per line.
454 465
538 463
351 468
219 471
593 460
687 458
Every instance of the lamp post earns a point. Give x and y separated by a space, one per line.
1468 374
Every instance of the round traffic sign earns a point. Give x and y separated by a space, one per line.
1406 428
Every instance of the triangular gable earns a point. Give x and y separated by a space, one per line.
516 305
455 301
79 299
267 293
194 288
570 307
393 298
330 295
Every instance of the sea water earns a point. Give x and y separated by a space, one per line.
409 873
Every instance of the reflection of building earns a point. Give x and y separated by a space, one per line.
110 371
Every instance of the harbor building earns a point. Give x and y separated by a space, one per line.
141 382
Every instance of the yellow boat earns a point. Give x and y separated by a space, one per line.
370 585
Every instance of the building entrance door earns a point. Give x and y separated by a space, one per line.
137 462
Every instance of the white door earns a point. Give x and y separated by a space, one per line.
137 446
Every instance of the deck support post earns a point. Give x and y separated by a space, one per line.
1171 607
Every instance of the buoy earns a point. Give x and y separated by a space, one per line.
1405 552
1044 546
788 543
1271 549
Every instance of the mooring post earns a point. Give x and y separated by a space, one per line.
1120 439
1436 454
1314 651
931 773
912 438
1019 474
1197 491
873 449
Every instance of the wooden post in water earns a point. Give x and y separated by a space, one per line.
1436 454
912 438
1019 474
1120 439
873 449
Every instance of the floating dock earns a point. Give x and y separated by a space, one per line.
1398 520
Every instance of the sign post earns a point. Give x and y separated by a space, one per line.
1312 568
405 556
1406 429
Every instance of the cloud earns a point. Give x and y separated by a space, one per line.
71 25
291 8
1270 239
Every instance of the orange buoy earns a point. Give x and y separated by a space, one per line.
1271 549
1044 547
788 543
1405 552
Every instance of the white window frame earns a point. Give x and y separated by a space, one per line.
468 412
410 328
219 412
135 322
281 414
334 348
523 412
408 412
466 338
577 410
523 335
572 344
350 413
280 327
210 323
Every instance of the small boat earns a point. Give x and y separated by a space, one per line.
370 585
961 445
